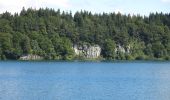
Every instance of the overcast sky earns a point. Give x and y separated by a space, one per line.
142 7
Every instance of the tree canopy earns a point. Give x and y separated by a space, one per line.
52 34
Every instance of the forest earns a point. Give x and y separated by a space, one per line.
52 33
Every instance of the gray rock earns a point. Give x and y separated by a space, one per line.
123 49
31 57
89 52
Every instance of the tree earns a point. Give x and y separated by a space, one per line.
25 45
51 34
4 26
109 49
158 49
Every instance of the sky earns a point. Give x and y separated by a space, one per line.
142 7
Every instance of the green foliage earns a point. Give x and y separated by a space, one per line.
109 49
25 44
52 34
137 48
129 57
158 49
5 26
5 41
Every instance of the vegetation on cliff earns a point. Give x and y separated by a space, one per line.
51 34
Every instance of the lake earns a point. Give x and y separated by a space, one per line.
84 80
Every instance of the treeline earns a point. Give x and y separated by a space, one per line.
51 34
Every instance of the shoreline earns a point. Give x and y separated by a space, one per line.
109 61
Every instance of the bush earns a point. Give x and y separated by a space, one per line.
142 57
167 58
129 57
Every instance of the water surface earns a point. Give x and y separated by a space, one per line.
84 80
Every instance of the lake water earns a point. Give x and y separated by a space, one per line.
84 80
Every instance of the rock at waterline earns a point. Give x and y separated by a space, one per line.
31 57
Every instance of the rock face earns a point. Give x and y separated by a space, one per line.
89 52
122 49
31 57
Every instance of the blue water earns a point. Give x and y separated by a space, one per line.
84 80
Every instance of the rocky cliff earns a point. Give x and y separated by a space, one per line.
86 51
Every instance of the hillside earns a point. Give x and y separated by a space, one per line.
53 34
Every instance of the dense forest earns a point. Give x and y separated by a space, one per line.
52 34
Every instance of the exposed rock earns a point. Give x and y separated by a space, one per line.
31 57
93 51
88 51
123 49
128 49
